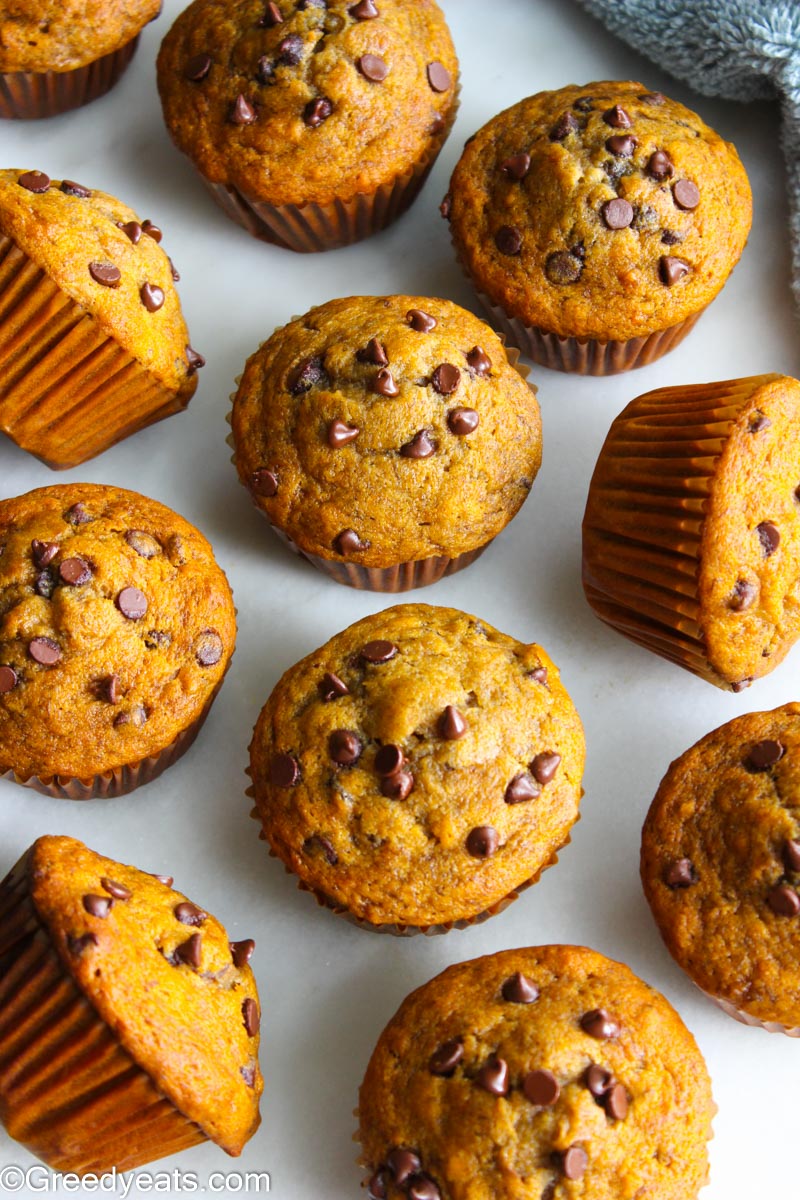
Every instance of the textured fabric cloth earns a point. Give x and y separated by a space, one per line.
737 49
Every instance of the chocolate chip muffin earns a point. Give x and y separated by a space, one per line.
290 110
721 866
117 628
97 347
691 536
59 54
388 438
543 1073
128 1021
419 770
597 223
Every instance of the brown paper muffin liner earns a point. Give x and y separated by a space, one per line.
69 1092
644 519
67 389
744 1018
26 95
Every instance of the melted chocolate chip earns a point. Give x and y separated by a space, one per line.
331 687
272 16
384 385
598 1080
117 890
264 482
105 274
374 352
617 213
420 446
584 104
599 1024
71 188
764 755
44 651
389 759
422 1187
194 360
45 584
290 51
478 361
77 945
75 571
564 126
108 689
152 296
742 596
132 231
308 373
98 906
544 766
445 1060
616 1102
791 855
248 1074
242 111
284 771
317 840
539 674
462 421
420 321
622 145
317 111
403 1164
517 166
659 165
197 68
344 747
77 515
445 206
378 1184
541 1088
208 648
43 552
508 240
379 651
671 270
617 118
157 639
152 231
251 1017
132 603
518 989
493 1077
341 434
653 98
483 841
242 952
143 543
190 952
758 421
34 181
265 70
373 67
574 1162
8 679
784 900
445 379
520 789
563 267
769 536
686 194
365 10
348 542
439 77
451 724
680 874
397 786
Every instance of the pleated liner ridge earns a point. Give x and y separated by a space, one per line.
33 94
69 1092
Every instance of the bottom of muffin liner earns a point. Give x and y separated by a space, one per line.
67 389
69 1092
792 1031
28 95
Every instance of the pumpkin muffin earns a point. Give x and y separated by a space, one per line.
543 1073
721 866
93 345
128 1021
597 223
419 770
289 111
60 54
117 628
691 536
388 439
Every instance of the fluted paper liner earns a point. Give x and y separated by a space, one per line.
792 1031
32 94
67 389
69 1092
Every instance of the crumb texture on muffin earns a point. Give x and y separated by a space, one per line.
60 35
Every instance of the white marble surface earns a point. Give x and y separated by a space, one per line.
328 989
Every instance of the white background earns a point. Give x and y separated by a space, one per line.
327 989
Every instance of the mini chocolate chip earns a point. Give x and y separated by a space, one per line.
439 77
43 552
541 1087
483 841
791 854
309 372
420 321
105 274
742 596
584 103
598 1080
132 231
784 900
518 989
623 145
208 648
242 952
190 952
290 50
117 890
680 873
574 1162
45 584
374 352
98 906
564 126
71 188
108 689
403 1164
758 421
617 213
420 446
365 10
242 111
422 1187
34 181
265 70
599 1024
8 679
508 240
769 537
451 725
764 755
384 385
445 379
77 945
75 571
462 421
445 206
389 759
539 674
377 1184
264 482
44 651
544 766
316 839
348 542
189 914
373 67
317 111
143 543
379 651
167 880
493 1077
617 118
445 1060
173 269
478 361
517 165
659 165
77 515
284 771
653 98
197 68
344 747
671 270
152 231
521 788
331 687
272 16
669 238
132 603
397 786
616 1102
686 194
741 684
195 360
563 267
152 296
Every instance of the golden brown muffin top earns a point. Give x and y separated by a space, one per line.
543 1072
721 862
309 101
116 629
99 252
386 429
60 35
603 211
164 978
418 767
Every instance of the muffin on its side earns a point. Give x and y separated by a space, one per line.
597 223
419 770
721 866
388 438
691 535
544 1072
117 628
93 345
128 1021
60 54
313 124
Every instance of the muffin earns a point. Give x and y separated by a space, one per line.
419 770
691 536
59 54
543 1072
128 1022
597 223
93 345
721 866
289 111
388 439
117 628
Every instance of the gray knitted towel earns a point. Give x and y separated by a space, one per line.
738 49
